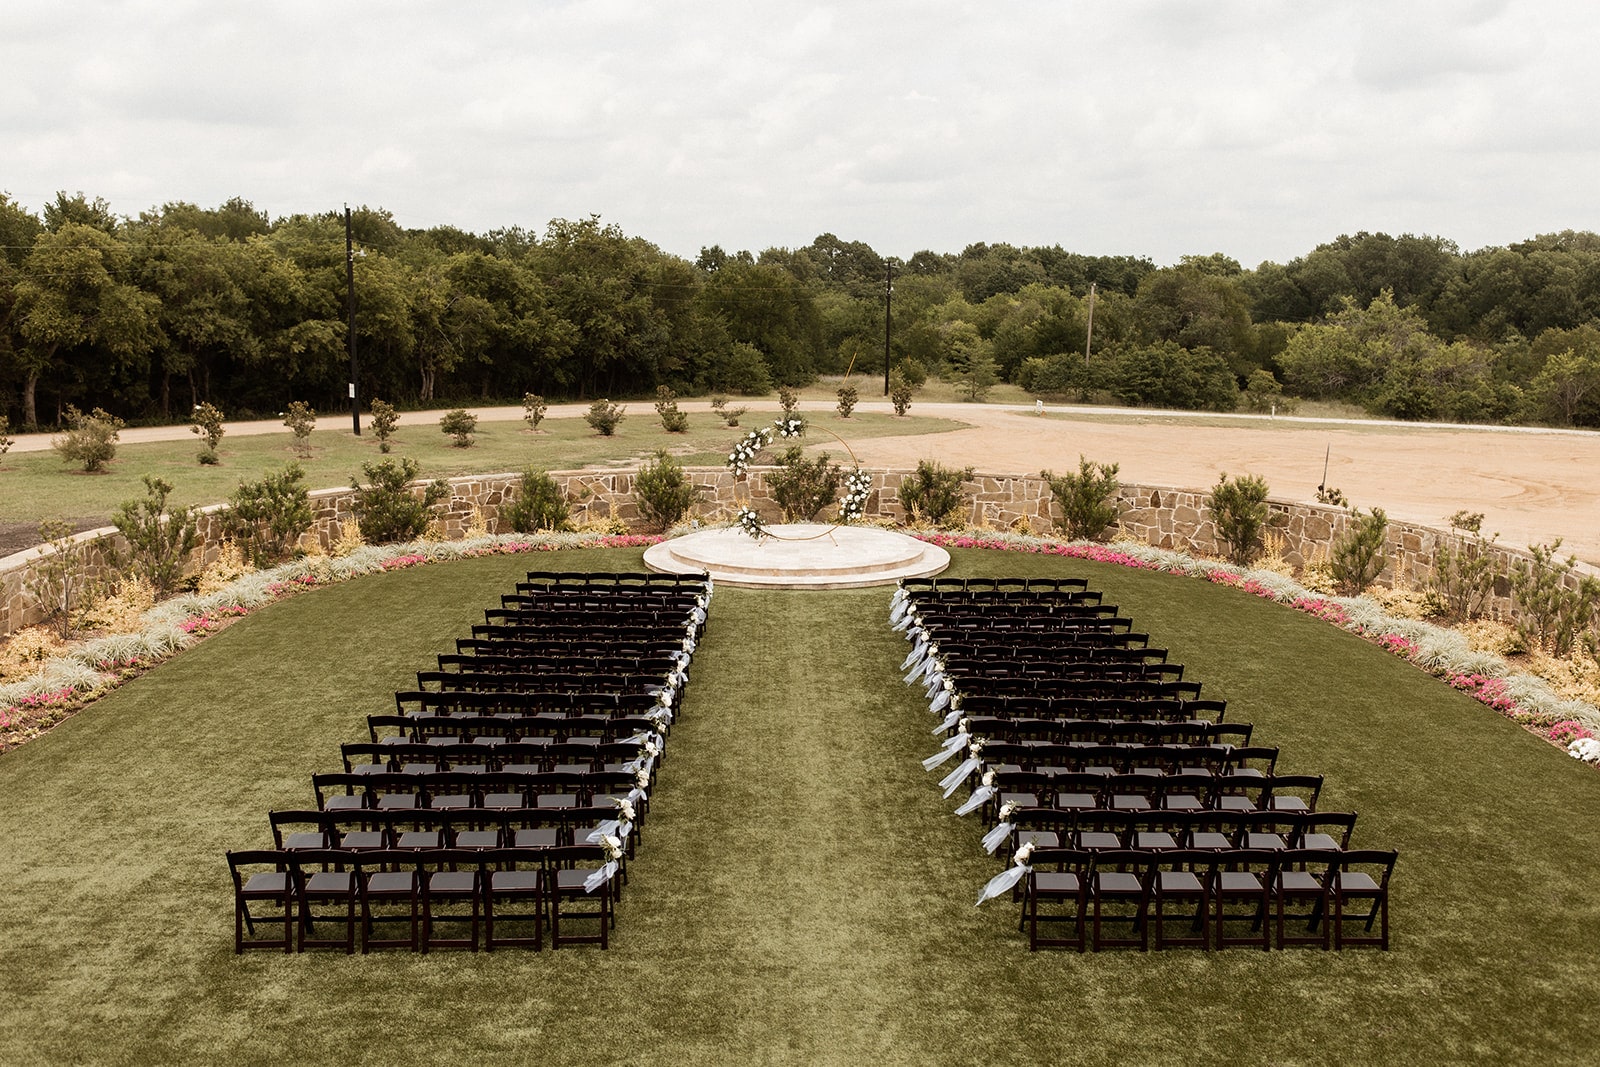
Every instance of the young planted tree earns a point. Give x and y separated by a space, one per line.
159 540
90 440
1239 510
672 420
533 409
663 491
267 518
899 393
849 396
301 420
385 420
932 493
1463 568
387 509
1357 556
539 504
1087 499
804 487
1555 609
57 581
459 425
604 416
207 422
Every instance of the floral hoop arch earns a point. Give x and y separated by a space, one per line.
858 483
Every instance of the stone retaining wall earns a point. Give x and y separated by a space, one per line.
1164 516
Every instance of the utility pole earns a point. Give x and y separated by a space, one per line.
888 318
1088 337
350 333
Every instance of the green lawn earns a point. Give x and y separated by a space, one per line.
803 893
40 485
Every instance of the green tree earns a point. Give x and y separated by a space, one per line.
1357 556
663 491
268 518
539 504
970 360
159 539
90 440
387 509
1087 499
1239 512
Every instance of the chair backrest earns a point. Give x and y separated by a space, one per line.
1381 861
313 820
277 859
1339 825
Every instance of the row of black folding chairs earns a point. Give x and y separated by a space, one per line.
1202 791
366 829
438 898
593 621
423 703
1007 615
1083 688
514 661
541 729
497 790
666 598
412 757
1047 706
1206 899
1096 829
1032 732
1176 758
621 681
917 587
973 633
1005 599
698 580
1021 648
520 642
1007 666
587 632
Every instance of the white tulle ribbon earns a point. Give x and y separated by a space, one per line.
943 700
949 720
980 796
1009 877
952 781
1002 830
947 751
601 876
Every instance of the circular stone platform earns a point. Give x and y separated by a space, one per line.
800 556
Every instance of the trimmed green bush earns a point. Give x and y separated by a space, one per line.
90 440
604 416
301 420
804 487
159 541
672 420
459 424
932 493
849 396
1087 499
663 491
267 518
207 422
533 409
387 509
1239 510
539 504
1357 556
385 420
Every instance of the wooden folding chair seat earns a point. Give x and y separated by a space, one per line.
571 872
1209 831
1104 830
1302 878
1264 830
1362 876
359 830
1055 893
1327 831
325 877
1077 791
448 790
1187 790
1259 761
273 887
1119 892
1241 891
1294 792
1239 792
1180 886
390 879
1133 792
342 792
514 896
418 830
450 881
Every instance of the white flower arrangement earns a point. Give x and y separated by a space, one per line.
857 487
793 426
745 452
749 521
624 808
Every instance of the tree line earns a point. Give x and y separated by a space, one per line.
149 316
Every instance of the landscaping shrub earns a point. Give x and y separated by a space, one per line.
539 504
387 510
932 493
459 424
385 420
533 409
604 417
301 420
663 491
5 429
899 393
849 396
672 420
56 583
1357 556
1087 499
158 540
1239 510
731 416
91 439
1554 614
267 518
1463 568
207 422
801 487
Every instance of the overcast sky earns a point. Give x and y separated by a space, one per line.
1256 128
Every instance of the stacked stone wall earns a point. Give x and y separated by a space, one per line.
1163 516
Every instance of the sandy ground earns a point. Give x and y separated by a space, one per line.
1532 485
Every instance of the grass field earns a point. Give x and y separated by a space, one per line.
803 894
40 485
